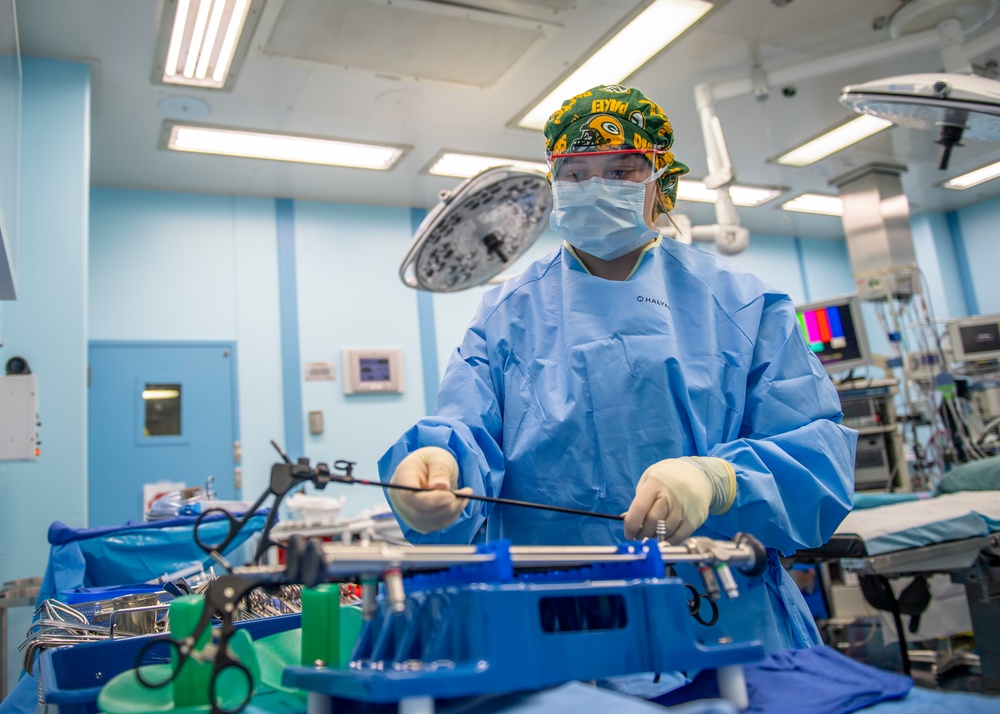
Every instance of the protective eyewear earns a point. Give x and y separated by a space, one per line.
635 165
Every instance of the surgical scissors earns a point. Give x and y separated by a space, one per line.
222 598
284 477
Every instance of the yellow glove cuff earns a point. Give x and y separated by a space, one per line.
722 476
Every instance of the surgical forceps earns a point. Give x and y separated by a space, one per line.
284 477
222 598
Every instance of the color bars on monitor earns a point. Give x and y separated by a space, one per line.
823 329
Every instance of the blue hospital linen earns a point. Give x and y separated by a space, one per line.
819 680
567 387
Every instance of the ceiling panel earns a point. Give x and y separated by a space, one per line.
418 39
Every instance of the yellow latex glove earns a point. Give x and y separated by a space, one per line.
428 467
681 492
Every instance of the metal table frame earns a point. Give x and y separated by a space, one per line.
973 562
17 593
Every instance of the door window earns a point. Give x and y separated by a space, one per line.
162 409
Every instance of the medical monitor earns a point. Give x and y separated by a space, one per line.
835 331
975 339
373 371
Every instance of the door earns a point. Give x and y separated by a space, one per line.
159 411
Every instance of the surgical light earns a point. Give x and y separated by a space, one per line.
815 203
465 165
747 196
204 40
953 105
478 229
633 46
973 178
278 147
833 141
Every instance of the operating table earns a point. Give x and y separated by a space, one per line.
954 534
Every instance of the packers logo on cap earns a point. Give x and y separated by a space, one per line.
600 133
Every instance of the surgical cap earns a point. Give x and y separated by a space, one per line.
613 117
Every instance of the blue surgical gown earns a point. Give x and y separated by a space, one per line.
566 387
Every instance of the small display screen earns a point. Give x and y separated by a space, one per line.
830 333
980 338
374 369
857 408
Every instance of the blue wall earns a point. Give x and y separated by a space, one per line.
162 266
934 247
47 324
976 232
167 266
826 267
350 297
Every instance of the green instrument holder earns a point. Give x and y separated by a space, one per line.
328 634
189 690
329 630
191 683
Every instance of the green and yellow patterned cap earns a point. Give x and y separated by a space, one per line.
612 117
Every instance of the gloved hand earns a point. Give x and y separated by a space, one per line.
427 467
681 492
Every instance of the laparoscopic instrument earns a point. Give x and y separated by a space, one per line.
324 475
289 475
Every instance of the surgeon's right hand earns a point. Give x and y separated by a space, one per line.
429 467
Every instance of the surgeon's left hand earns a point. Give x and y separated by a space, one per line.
681 492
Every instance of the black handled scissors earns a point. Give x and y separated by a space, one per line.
222 598
284 477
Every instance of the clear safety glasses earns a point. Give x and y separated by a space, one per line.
634 165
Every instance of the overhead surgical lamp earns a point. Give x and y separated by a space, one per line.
955 103
476 231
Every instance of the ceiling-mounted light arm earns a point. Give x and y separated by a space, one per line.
951 41
727 234
951 38
720 167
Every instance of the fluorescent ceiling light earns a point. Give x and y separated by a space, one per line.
160 394
750 196
466 165
973 178
204 40
834 140
652 30
815 203
279 147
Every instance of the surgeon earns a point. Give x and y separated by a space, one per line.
630 374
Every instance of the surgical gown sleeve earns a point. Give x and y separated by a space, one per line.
467 421
794 462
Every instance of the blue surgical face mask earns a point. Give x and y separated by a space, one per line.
601 217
